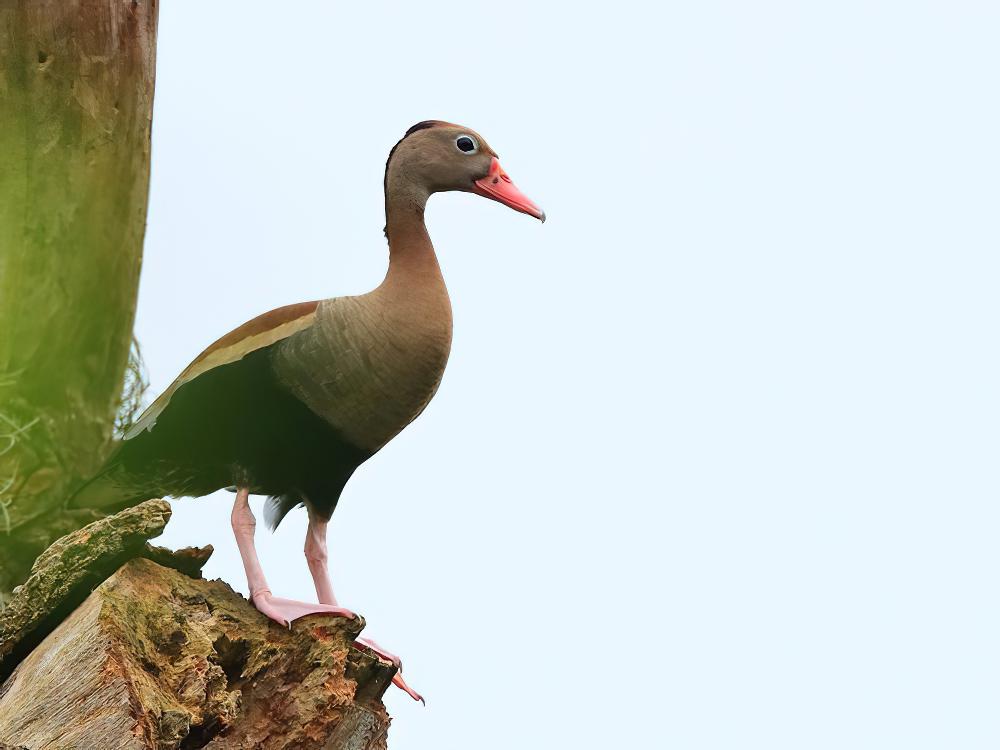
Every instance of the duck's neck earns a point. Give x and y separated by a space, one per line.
413 265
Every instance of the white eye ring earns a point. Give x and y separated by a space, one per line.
467 152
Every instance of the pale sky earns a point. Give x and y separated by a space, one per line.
714 463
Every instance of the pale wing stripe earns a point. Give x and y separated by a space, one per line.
217 358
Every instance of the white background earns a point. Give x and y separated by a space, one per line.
714 464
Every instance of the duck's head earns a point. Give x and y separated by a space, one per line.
436 156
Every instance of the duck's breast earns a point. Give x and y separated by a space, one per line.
367 366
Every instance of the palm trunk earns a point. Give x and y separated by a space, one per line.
76 94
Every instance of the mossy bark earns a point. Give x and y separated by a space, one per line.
76 93
156 660
66 573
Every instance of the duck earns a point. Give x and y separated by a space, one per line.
290 404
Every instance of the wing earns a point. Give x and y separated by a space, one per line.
255 334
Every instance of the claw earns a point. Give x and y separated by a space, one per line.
399 682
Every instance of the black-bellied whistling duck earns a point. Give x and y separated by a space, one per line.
292 402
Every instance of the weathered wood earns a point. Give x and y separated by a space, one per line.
155 659
188 560
76 93
68 571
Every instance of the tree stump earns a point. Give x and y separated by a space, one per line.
154 659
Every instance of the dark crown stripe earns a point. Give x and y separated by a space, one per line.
415 129
424 125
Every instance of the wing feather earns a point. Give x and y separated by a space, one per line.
255 334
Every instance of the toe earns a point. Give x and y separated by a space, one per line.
399 682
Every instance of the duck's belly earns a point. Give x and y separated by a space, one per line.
366 376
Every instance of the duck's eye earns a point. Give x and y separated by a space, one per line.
466 144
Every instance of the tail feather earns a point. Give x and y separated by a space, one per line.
277 507
108 490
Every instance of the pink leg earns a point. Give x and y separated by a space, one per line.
282 611
397 679
316 557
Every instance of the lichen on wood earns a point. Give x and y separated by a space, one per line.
68 571
155 659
